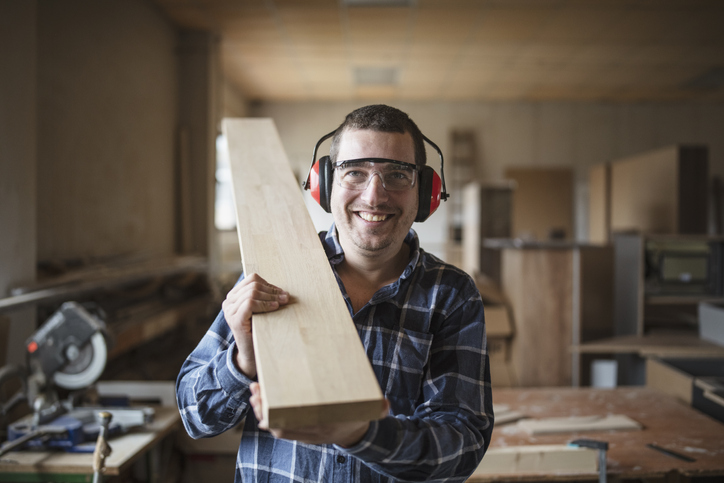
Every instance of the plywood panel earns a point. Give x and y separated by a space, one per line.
311 363
538 283
572 424
558 459
644 194
542 201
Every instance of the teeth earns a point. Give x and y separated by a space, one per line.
371 217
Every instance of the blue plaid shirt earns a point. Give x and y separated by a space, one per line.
425 337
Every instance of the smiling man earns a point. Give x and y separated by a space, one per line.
420 320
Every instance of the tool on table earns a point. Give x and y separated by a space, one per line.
69 352
602 447
103 449
671 453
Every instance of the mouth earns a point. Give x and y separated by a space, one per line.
373 217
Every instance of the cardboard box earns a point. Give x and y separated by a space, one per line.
698 382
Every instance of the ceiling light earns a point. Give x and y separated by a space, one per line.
375 76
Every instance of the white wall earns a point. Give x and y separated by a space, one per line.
573 134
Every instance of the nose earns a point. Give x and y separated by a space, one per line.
375 193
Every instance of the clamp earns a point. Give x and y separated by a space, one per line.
602 447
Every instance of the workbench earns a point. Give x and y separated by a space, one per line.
667 423
59 466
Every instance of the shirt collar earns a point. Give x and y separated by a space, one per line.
335 254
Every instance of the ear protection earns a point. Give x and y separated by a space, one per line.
431 188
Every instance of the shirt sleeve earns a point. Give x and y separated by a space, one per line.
211 393
449 432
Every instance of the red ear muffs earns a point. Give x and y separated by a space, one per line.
431 188
320 182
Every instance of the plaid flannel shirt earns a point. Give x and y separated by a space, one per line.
425 337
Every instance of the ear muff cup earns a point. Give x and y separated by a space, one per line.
430 189
321 178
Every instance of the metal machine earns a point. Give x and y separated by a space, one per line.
69 352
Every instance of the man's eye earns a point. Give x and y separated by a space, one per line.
354 174
399 175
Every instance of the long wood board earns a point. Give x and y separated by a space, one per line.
578 423
311 364
559 459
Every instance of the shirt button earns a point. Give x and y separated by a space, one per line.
341 459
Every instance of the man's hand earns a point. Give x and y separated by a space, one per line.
342 434
252 295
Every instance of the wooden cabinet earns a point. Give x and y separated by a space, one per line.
561 296
662 191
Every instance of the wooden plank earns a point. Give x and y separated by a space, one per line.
573 424
311 364
559 459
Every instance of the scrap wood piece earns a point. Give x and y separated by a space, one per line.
578 423
557 458
503 414
311 364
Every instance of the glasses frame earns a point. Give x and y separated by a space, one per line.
341 164
444 195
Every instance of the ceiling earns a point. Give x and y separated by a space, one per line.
431 50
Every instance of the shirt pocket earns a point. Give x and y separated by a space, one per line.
404 369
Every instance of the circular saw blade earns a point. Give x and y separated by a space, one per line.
87 367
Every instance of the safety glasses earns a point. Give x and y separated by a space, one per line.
356 174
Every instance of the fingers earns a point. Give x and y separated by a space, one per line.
255 401
253 295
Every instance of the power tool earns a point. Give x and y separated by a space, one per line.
68 351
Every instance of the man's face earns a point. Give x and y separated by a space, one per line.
374 219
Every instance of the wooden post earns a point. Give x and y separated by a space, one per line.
311 365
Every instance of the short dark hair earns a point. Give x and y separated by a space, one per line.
381 118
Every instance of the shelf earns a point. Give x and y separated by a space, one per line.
93 280
683 344
680 299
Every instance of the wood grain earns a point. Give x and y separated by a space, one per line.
539 285
536 459
573 424
311 364
665 420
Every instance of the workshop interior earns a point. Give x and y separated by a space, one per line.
583 147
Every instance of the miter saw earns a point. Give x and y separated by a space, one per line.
69 352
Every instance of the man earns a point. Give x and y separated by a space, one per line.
420 320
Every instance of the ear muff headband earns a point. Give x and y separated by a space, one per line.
431 187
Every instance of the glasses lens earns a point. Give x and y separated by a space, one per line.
357 175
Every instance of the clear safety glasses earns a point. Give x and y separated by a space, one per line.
356 174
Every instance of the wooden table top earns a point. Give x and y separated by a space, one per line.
666 421
126 449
